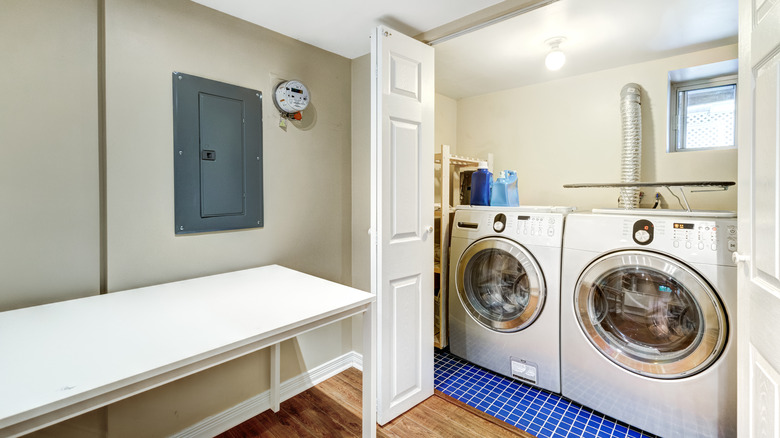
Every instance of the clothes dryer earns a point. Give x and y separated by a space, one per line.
647 329
504 290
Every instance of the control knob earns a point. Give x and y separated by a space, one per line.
642 236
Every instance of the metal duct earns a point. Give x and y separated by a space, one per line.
631 159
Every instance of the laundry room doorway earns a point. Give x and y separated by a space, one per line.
759 236
402 229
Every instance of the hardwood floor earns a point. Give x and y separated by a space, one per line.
332 409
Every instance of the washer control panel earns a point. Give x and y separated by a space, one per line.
523 226
532 225
538 228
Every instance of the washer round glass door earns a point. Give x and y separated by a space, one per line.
500 284
650 314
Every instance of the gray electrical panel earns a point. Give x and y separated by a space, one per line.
217 155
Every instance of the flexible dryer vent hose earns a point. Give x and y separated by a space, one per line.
631 158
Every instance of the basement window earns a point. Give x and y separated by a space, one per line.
703 114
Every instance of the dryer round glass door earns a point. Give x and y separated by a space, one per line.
500 284
650 314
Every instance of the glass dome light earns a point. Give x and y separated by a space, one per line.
556 58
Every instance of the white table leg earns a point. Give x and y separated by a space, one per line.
369 371
275 377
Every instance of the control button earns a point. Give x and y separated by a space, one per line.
498 226
732 230
714 247
688 245
550 231
642 236
676 243
525 231
533 231
701 245
732 245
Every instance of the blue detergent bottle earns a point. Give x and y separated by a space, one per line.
498 195
481 185
504 193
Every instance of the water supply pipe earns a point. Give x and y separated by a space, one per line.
631 158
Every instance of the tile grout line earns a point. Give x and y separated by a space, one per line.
479 386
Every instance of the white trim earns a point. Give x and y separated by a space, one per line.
260 403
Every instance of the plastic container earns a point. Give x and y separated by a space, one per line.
511 192
481 185
504 192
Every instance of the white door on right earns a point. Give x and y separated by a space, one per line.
759 218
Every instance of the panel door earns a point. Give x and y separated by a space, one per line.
759 218
402 219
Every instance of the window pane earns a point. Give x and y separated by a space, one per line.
709 117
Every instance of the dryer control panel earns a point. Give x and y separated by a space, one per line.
540 229
703 235
698 239
523 226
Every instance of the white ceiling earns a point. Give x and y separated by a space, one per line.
343 26
600 34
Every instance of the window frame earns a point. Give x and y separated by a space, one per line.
676 122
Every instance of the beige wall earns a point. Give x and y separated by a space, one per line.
361 171
306 171
49 142
361 185
49 124
306 184
446 128
445 132
569 131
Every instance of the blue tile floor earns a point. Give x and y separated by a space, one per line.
538 412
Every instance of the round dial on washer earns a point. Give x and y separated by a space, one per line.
499 223
642 236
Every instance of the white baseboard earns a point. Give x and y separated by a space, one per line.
260 403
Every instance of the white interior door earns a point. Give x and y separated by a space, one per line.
759 218
402 98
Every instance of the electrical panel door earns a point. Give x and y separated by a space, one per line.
218 163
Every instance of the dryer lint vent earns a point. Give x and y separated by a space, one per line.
523 370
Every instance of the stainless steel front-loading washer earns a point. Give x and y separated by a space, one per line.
504 290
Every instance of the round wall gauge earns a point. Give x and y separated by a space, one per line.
291 97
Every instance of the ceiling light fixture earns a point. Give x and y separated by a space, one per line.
556 58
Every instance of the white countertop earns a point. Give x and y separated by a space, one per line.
59 354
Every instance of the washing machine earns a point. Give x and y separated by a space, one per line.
647 320
504 290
